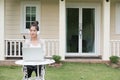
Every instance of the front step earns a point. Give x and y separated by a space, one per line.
85 59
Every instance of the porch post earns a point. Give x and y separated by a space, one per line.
2 30
106 27
62 28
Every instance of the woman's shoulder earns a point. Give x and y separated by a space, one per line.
27 40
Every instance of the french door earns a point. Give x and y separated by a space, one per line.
81 30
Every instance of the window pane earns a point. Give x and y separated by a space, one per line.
72 30
33 9
30 15
27 17
27 9
32 22
28 25
88 30
33 17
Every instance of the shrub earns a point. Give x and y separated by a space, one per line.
57 58
114 59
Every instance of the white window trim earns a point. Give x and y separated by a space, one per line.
23 6
117 19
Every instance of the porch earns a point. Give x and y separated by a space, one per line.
52 18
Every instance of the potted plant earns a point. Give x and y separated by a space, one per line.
57 60
114 61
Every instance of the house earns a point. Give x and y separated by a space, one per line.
70 28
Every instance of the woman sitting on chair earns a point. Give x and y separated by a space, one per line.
34 41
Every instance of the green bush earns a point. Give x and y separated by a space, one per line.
57 58
114 59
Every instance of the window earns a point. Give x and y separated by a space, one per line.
30 15
117 28
30 12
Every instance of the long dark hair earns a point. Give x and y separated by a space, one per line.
35 24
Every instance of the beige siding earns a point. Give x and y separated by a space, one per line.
12 19
49 18
114 36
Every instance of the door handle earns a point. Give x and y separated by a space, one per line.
80 30
80 33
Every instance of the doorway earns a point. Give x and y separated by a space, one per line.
81 30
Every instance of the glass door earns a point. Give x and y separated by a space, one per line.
80 30
72 38
88 30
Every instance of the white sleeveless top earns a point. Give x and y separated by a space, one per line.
41 43
32 46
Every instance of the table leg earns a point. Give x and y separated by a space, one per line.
38 71
43 72
25 73
41 77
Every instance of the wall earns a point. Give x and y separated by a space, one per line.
12 19
114 36
49 19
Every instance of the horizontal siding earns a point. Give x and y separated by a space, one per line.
12 18
49 18
114 36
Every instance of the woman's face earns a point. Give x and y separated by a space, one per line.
33 32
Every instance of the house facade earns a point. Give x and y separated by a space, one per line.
71 28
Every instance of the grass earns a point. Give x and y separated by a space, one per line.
10 73
69 71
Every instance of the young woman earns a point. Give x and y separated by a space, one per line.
34 41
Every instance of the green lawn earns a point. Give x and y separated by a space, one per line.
69 71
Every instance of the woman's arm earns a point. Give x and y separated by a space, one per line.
26 43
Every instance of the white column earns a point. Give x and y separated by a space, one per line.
1 29
106 28
62 22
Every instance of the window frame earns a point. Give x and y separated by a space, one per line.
25 4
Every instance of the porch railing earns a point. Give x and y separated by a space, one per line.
115 47
13 47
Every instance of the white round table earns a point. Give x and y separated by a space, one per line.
42 63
